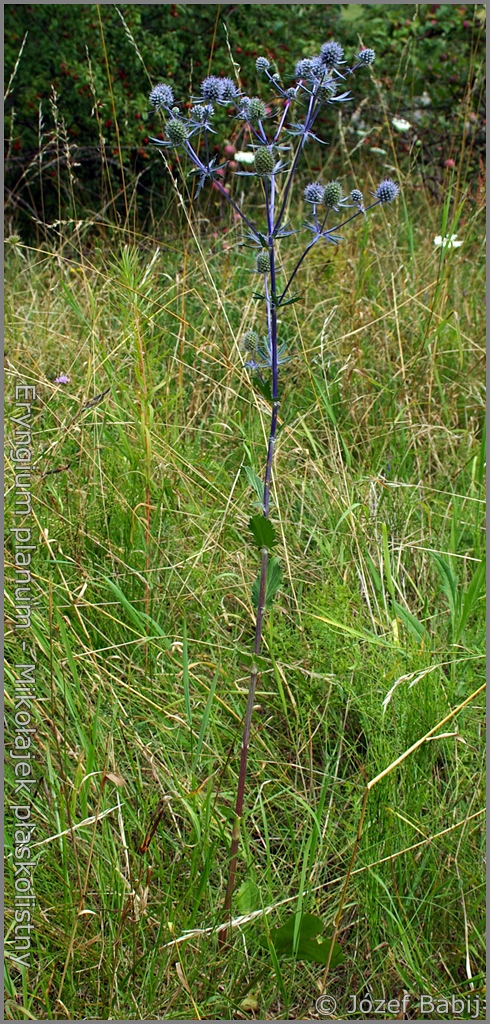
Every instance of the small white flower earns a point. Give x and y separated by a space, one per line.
244 157
400 124
448 242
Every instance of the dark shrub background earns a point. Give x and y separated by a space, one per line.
77 106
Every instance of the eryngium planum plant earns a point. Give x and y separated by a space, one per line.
278 132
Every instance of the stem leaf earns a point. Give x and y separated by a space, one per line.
263 531
277 301
263 386
272 584
256 483
254 661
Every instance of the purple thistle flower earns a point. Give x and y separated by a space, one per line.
229 91
62 379
161 96
314 193
303 68
211 88
366 56
331 54
386 191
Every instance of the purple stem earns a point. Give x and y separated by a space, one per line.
308 122
269 188
281 122
235 841
317 239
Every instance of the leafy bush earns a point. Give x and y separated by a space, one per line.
77 105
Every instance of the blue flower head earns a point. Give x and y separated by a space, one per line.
357 198
314 193
211 88
229 91
366 56
318 68
331 54
386 191
262 64
303 68
201 113
161 96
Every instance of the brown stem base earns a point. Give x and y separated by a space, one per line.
254 675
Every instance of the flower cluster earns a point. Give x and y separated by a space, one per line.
252 109
263 262
366 56
218 90
177 131
318 83
201 113
331 194
259 352
264 160
332 54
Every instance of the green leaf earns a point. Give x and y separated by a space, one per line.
387 561
449 583
204 723
411 623
72 302
470 599
248 897
254 661
307 938
276 299
366 635
264 388
351 12
263 531
143 623
256 483
273 582
288 302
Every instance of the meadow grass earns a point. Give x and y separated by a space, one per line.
141 500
